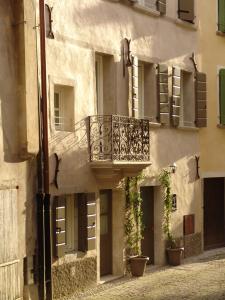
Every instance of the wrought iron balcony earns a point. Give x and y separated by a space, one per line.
118 138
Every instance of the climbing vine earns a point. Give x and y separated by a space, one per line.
133 216
165 181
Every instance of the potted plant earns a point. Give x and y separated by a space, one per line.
174 251
134 226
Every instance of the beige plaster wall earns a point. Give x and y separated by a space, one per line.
91 26
210 58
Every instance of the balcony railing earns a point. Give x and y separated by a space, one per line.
118 138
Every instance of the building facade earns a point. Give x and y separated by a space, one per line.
126 95
19 146
212 166
123 98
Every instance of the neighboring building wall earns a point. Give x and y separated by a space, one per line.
82 29
212 139
18 147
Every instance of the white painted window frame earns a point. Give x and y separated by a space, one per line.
59 126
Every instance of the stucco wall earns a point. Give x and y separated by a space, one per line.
211 57
16 171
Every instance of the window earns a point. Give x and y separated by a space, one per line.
222 95
159 5
63 108
186 11
221 15
147 106
187 99
74 223
105 84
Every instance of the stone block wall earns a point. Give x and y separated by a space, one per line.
74 277
192 244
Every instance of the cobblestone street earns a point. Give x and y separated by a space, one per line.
202 277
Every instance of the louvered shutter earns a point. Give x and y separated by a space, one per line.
186 10
86 222
176 94
221 15
133 86
222 95
60 225
161 6
163 96
201 105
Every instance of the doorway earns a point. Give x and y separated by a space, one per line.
105 232
147 243
214 221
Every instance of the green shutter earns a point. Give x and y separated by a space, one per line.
201 105
176 93
222 95
186 10
161 6
60 225
163 96
221 15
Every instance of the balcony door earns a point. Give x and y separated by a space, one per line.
105 232
147 244
99 83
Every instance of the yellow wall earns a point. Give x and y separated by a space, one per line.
211 55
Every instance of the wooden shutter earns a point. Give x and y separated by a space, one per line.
186 10
161 6
200 94
221 15
86 222
176 94
189 224
163 97
222 95
133 86
60 225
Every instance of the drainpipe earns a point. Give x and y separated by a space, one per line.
44 206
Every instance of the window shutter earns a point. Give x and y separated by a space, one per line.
221 15
161 6
222 95
186 10
201 106
133 86
86 222
163 97
60 225
176 93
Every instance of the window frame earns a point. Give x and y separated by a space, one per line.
60 125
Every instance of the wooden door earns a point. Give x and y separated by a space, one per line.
214 231
105 232
147 244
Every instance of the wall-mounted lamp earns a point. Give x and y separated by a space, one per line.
173 168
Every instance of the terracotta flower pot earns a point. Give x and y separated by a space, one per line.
174 256
138 264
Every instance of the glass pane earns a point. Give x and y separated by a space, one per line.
56 100
104 204
103 224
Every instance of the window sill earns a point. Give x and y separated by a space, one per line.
154 124
220 33
146 10
221 126
186 24
188 128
